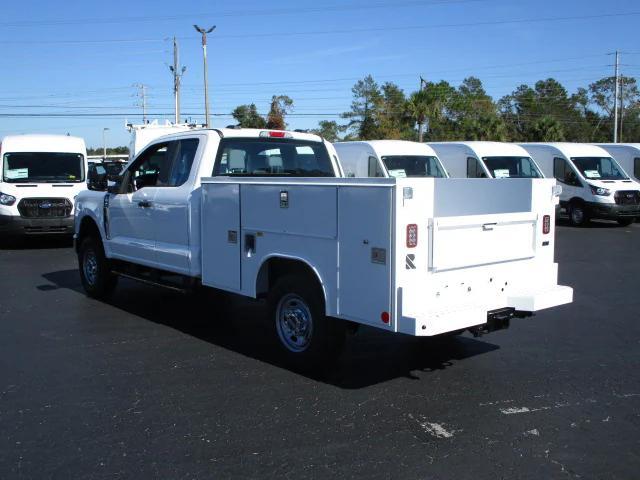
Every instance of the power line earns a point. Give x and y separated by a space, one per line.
334 32
237 13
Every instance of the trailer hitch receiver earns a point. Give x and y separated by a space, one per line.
496 320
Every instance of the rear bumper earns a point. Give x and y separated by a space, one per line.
461 317
13 225
608 211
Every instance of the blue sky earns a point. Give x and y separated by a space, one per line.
73 57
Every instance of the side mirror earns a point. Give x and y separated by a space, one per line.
114 184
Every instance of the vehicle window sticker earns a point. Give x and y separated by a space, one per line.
399 173
17 173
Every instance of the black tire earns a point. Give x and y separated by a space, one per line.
625 222
315 339
578 215
95 272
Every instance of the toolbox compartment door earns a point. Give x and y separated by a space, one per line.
365 258
467 241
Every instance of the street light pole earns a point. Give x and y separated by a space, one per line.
204 32
423 82
104 143
615 99
177 76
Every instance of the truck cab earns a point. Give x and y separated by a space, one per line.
40 176
486 160
594 185
388 158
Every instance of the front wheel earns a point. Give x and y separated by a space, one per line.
625 222
578 215
95 273
306 336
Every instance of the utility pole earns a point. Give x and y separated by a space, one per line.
204 32
621 109
177 76
423 82
142 94
615 100
104 143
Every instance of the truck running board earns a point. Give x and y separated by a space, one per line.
155 282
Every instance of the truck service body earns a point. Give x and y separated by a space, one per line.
263 214
486 160
40 175
388 158
593 183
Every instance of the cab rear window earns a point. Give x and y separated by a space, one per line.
269 157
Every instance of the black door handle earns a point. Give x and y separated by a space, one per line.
250 243
144 203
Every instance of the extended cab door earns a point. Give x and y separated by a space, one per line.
131 232
173 207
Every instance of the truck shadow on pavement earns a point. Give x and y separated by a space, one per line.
371 356
36 242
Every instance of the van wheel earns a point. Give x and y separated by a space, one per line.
625 222
306 336
578 215
95 273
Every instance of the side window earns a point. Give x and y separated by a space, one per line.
183 154
374 168
636 168
151 169
474 169
558 168
564 173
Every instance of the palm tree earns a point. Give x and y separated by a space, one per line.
418 108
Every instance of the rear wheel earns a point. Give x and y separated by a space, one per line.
625 222
578 215
95 272
306 336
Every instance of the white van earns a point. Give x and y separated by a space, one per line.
388 158
627 155
486 160
40 175
593 184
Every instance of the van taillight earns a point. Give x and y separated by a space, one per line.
546 224
412 235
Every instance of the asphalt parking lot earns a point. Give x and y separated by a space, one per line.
149 386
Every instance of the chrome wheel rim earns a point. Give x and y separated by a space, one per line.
294 323
90 267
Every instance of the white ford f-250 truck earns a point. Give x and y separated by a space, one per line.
265 214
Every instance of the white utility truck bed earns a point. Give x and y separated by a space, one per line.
479 246
267 214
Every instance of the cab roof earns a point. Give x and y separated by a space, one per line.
632 146
246 133
43 143
569 149
484 149
393 147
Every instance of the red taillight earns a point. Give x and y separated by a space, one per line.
412 235
546 224
384 316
